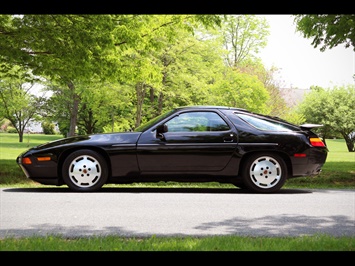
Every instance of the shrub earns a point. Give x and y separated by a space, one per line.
48 128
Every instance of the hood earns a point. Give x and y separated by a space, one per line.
103 138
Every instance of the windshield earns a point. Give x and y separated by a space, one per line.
147 125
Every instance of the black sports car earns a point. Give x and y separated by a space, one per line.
186 144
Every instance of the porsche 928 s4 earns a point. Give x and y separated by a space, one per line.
187 144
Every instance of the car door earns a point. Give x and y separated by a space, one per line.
194 141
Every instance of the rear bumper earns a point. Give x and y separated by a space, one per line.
307 169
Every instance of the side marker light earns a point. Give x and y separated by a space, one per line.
300 155
42 159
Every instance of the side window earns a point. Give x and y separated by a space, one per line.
263 124
197 121
216 123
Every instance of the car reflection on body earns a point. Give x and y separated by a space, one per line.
187 144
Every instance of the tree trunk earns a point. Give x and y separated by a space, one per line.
73 111
20 136
349 143
140 91
160 103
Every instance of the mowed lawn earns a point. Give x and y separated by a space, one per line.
10 147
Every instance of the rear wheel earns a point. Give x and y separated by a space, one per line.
264 173
85 170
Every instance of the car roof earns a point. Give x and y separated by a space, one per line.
210 107
240 110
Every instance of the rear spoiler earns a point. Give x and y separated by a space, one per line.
309 126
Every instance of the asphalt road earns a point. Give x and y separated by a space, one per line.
141 212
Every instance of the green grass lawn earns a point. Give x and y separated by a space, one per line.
10 146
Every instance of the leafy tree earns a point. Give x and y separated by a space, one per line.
243 36
194 73
152 62
63 48
276 102
241 90
103 105
17 104
191 65
327 30
334 108
73 49
155 67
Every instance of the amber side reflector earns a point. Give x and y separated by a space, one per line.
26 160
316 142
42 159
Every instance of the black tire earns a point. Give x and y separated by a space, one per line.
85 171
264 173
239 184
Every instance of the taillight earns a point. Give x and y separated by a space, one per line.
316 142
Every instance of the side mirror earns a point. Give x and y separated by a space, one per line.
161 129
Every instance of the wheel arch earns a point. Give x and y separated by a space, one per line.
64 154
283 155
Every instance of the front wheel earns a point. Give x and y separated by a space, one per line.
85 171
264 173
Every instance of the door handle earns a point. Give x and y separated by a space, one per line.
228 139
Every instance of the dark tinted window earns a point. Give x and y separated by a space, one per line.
197 121
264 124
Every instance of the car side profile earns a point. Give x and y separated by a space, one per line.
186 144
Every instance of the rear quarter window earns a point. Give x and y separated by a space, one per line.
265 124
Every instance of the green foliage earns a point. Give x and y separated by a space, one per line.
48 128
295 118
113 72
17 104
11 130
243 36
59 43
4 125
328 30
333 108
240 90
